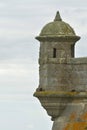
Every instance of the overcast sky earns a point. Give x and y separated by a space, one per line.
20 22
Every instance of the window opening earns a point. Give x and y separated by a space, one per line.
72 50
54 52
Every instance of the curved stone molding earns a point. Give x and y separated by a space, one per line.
56 102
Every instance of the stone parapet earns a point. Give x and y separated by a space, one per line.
80 60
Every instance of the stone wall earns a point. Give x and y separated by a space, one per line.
78 70
61 75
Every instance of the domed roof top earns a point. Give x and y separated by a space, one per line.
57 28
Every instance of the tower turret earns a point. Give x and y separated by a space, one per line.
58 35
62 88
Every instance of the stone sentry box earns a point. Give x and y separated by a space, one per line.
62 88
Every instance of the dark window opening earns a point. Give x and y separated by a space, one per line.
54 52
72 50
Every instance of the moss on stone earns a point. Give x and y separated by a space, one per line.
59 94
57 28
55 93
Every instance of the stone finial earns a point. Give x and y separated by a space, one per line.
57 17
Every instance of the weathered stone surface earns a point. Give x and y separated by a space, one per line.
62 88
57 27
54 101
74 117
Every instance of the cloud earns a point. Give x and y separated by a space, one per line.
30 127
14 97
